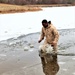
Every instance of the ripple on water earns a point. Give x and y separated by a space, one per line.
31 50
61 63
73 58
64 69
3 55
73 73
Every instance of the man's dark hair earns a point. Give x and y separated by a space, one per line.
44 21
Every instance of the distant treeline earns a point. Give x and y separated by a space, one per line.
25 2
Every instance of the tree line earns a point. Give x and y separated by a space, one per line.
25 2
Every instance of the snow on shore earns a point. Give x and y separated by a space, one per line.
14 25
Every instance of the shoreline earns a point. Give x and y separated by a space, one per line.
9 8
23 35
64 33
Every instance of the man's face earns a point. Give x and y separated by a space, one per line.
45 25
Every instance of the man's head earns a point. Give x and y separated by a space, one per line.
45 23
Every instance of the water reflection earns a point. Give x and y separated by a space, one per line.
50 64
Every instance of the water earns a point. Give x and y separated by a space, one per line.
14 25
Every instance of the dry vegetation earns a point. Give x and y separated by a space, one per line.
8 8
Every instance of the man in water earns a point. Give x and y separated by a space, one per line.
50 33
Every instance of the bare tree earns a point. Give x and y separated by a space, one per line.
23 2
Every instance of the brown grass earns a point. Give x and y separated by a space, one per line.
8 8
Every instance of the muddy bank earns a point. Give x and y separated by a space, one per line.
19 56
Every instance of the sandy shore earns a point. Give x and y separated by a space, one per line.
19 56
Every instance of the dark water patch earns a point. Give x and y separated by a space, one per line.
65 46
69 54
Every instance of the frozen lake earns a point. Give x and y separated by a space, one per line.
14 25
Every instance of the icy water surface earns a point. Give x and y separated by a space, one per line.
16 59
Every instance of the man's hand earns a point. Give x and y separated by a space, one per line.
39 41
